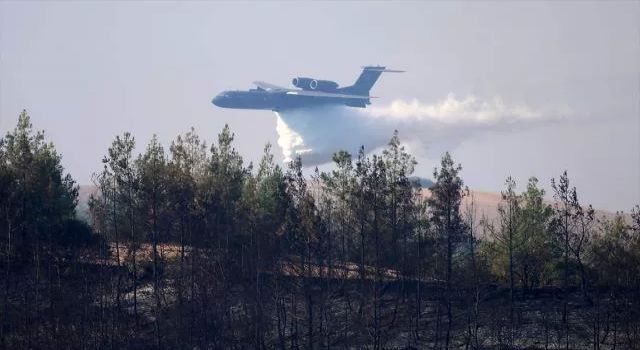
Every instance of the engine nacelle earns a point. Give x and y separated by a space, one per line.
325 85
304 83
313 84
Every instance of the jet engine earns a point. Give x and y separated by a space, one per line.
324 85
304 83
313 84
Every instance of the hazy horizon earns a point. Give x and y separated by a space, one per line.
561 81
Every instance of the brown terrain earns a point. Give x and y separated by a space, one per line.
486 204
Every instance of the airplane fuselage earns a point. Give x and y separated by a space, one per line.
277 101
309 92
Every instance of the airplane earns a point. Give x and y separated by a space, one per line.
310 92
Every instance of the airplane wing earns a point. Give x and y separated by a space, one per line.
267 86
271 87
325 94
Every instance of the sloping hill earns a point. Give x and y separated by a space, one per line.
486 203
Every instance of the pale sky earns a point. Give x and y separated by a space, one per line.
89 71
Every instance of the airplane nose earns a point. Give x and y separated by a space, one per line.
221 100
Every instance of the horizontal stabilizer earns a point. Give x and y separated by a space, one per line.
382 69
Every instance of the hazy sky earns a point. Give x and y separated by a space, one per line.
89 71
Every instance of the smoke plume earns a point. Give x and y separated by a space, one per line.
316 133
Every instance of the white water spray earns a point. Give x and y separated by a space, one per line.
316 133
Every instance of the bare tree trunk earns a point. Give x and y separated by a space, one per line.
376 282
156 284
7 283
180 312
449 272
114 200
133 249
511 282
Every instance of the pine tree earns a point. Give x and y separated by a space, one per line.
444 204
566 202
534 253
39 230
509 214
152 174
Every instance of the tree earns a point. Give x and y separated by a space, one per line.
220 195
121 166
264 202
474 274
361 207
566 203
507 241
185 171
39 232
303 228
339 190
534 253
339 186
399 166
152 174
444 203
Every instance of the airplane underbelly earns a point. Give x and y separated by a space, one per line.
256 102
293 101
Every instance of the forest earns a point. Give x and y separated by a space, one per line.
188 246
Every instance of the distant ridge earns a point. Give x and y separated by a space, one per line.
486 203
423 181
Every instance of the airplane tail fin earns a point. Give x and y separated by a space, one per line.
367 79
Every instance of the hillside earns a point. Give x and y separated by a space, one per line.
486 203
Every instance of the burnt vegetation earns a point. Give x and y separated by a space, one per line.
191 248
